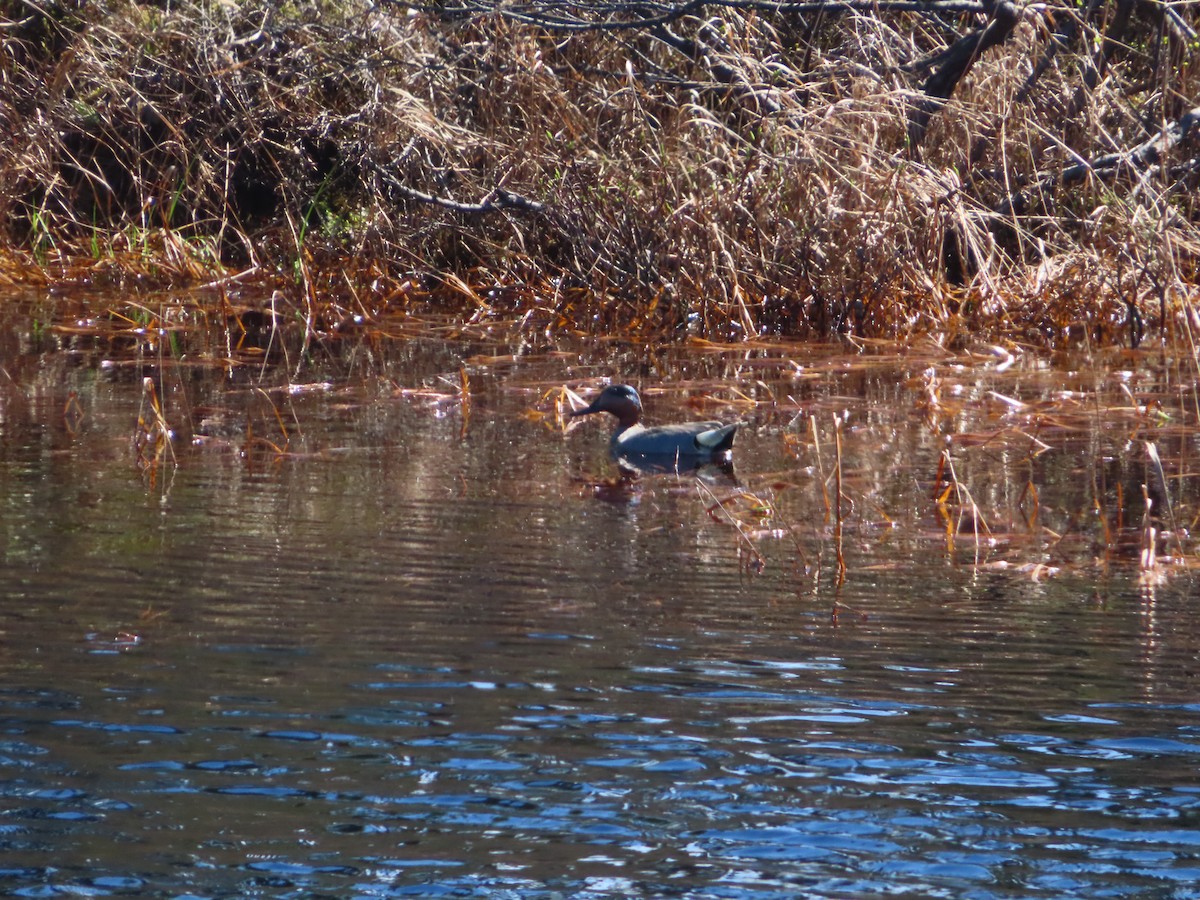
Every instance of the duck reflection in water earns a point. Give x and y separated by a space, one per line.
626 486
709 469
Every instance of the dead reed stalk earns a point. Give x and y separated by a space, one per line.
727 171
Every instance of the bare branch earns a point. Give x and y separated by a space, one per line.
618 16
1144 157
495 200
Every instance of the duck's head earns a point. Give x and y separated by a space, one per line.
619 399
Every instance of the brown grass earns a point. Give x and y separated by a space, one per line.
604 180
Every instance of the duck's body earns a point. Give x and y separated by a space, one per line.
688 441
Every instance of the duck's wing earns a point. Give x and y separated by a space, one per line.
716 438
683 439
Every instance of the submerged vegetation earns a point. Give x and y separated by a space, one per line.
723 169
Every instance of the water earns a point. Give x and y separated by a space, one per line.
437 650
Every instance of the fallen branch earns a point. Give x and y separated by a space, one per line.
954 63
622 16
1142 158
495 200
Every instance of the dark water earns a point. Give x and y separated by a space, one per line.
434 650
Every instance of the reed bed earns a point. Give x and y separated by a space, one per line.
978 461
726 170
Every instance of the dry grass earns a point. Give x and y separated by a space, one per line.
739 172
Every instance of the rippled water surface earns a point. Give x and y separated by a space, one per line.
436 648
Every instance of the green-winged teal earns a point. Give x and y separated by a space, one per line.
688 441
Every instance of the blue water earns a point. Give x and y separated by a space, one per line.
441 652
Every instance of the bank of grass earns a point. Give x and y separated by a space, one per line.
732 172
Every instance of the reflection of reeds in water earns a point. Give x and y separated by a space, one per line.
152 440
1151 570
969 457
750 558
1027 470
994 461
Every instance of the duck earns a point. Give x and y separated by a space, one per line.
688 442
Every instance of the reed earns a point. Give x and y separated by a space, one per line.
153 438
724 170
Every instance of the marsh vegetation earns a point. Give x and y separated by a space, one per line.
723 169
